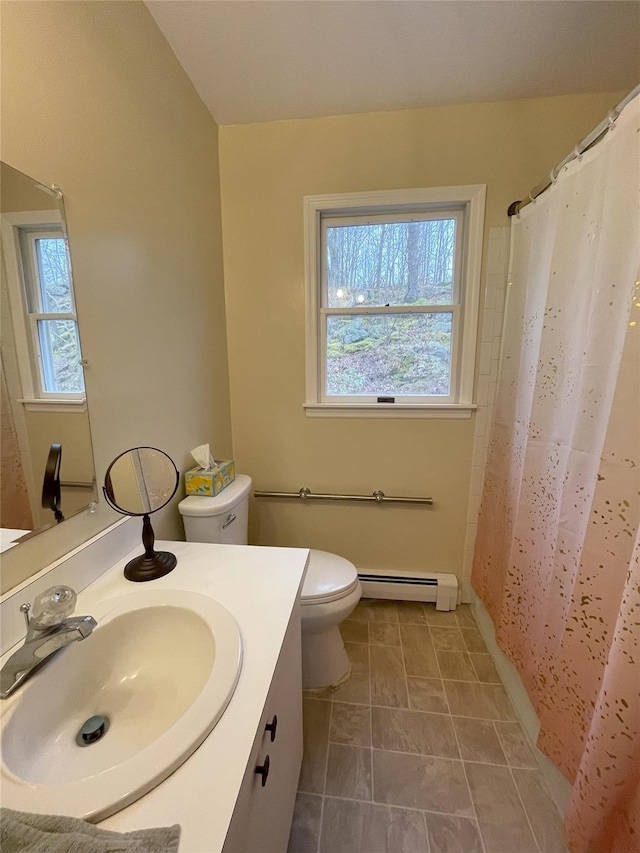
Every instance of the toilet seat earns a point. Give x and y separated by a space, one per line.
329 578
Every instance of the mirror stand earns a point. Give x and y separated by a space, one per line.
138 482
152 564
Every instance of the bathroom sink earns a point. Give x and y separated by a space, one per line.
108 718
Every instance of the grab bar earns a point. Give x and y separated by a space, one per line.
378 496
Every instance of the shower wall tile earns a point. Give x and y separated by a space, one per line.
481 421
467 561
495 348
490 336
477 474
482 391
474 504
484 366
494 255
478 456
487 325
491 287
470 536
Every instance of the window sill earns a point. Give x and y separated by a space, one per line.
452 411
35 405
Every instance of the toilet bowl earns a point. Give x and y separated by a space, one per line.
330 591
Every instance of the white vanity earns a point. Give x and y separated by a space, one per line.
236 792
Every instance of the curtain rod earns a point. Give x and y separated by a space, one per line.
591 139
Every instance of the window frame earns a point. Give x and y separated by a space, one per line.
22 229
322 209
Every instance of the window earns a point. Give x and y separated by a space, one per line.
392 302
51 312
42 309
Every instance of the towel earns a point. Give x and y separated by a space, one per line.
21 832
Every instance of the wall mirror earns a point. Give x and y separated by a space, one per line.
138 482
43 397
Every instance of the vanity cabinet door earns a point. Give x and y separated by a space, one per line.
262 817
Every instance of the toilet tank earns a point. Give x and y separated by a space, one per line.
223 519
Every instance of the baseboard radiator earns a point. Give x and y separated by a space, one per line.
438 587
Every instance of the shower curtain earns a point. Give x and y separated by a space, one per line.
557 557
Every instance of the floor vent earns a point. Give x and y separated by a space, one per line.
441 588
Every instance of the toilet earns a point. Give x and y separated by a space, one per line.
330 591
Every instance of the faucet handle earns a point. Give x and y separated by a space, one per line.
52 607
24 609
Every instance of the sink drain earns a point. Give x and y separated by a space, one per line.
93 730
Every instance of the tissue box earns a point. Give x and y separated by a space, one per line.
212 482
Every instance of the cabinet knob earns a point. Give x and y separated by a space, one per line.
271 727
263 770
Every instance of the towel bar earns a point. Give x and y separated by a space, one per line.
378 496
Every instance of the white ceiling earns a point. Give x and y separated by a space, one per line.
262 60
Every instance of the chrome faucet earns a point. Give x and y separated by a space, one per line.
48 631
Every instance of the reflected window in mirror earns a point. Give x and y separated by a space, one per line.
42 306
42 381
51 312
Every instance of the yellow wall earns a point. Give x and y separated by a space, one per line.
94 100
266 169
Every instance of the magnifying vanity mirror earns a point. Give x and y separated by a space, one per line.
43 399
141 481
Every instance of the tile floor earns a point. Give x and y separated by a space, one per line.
420 750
